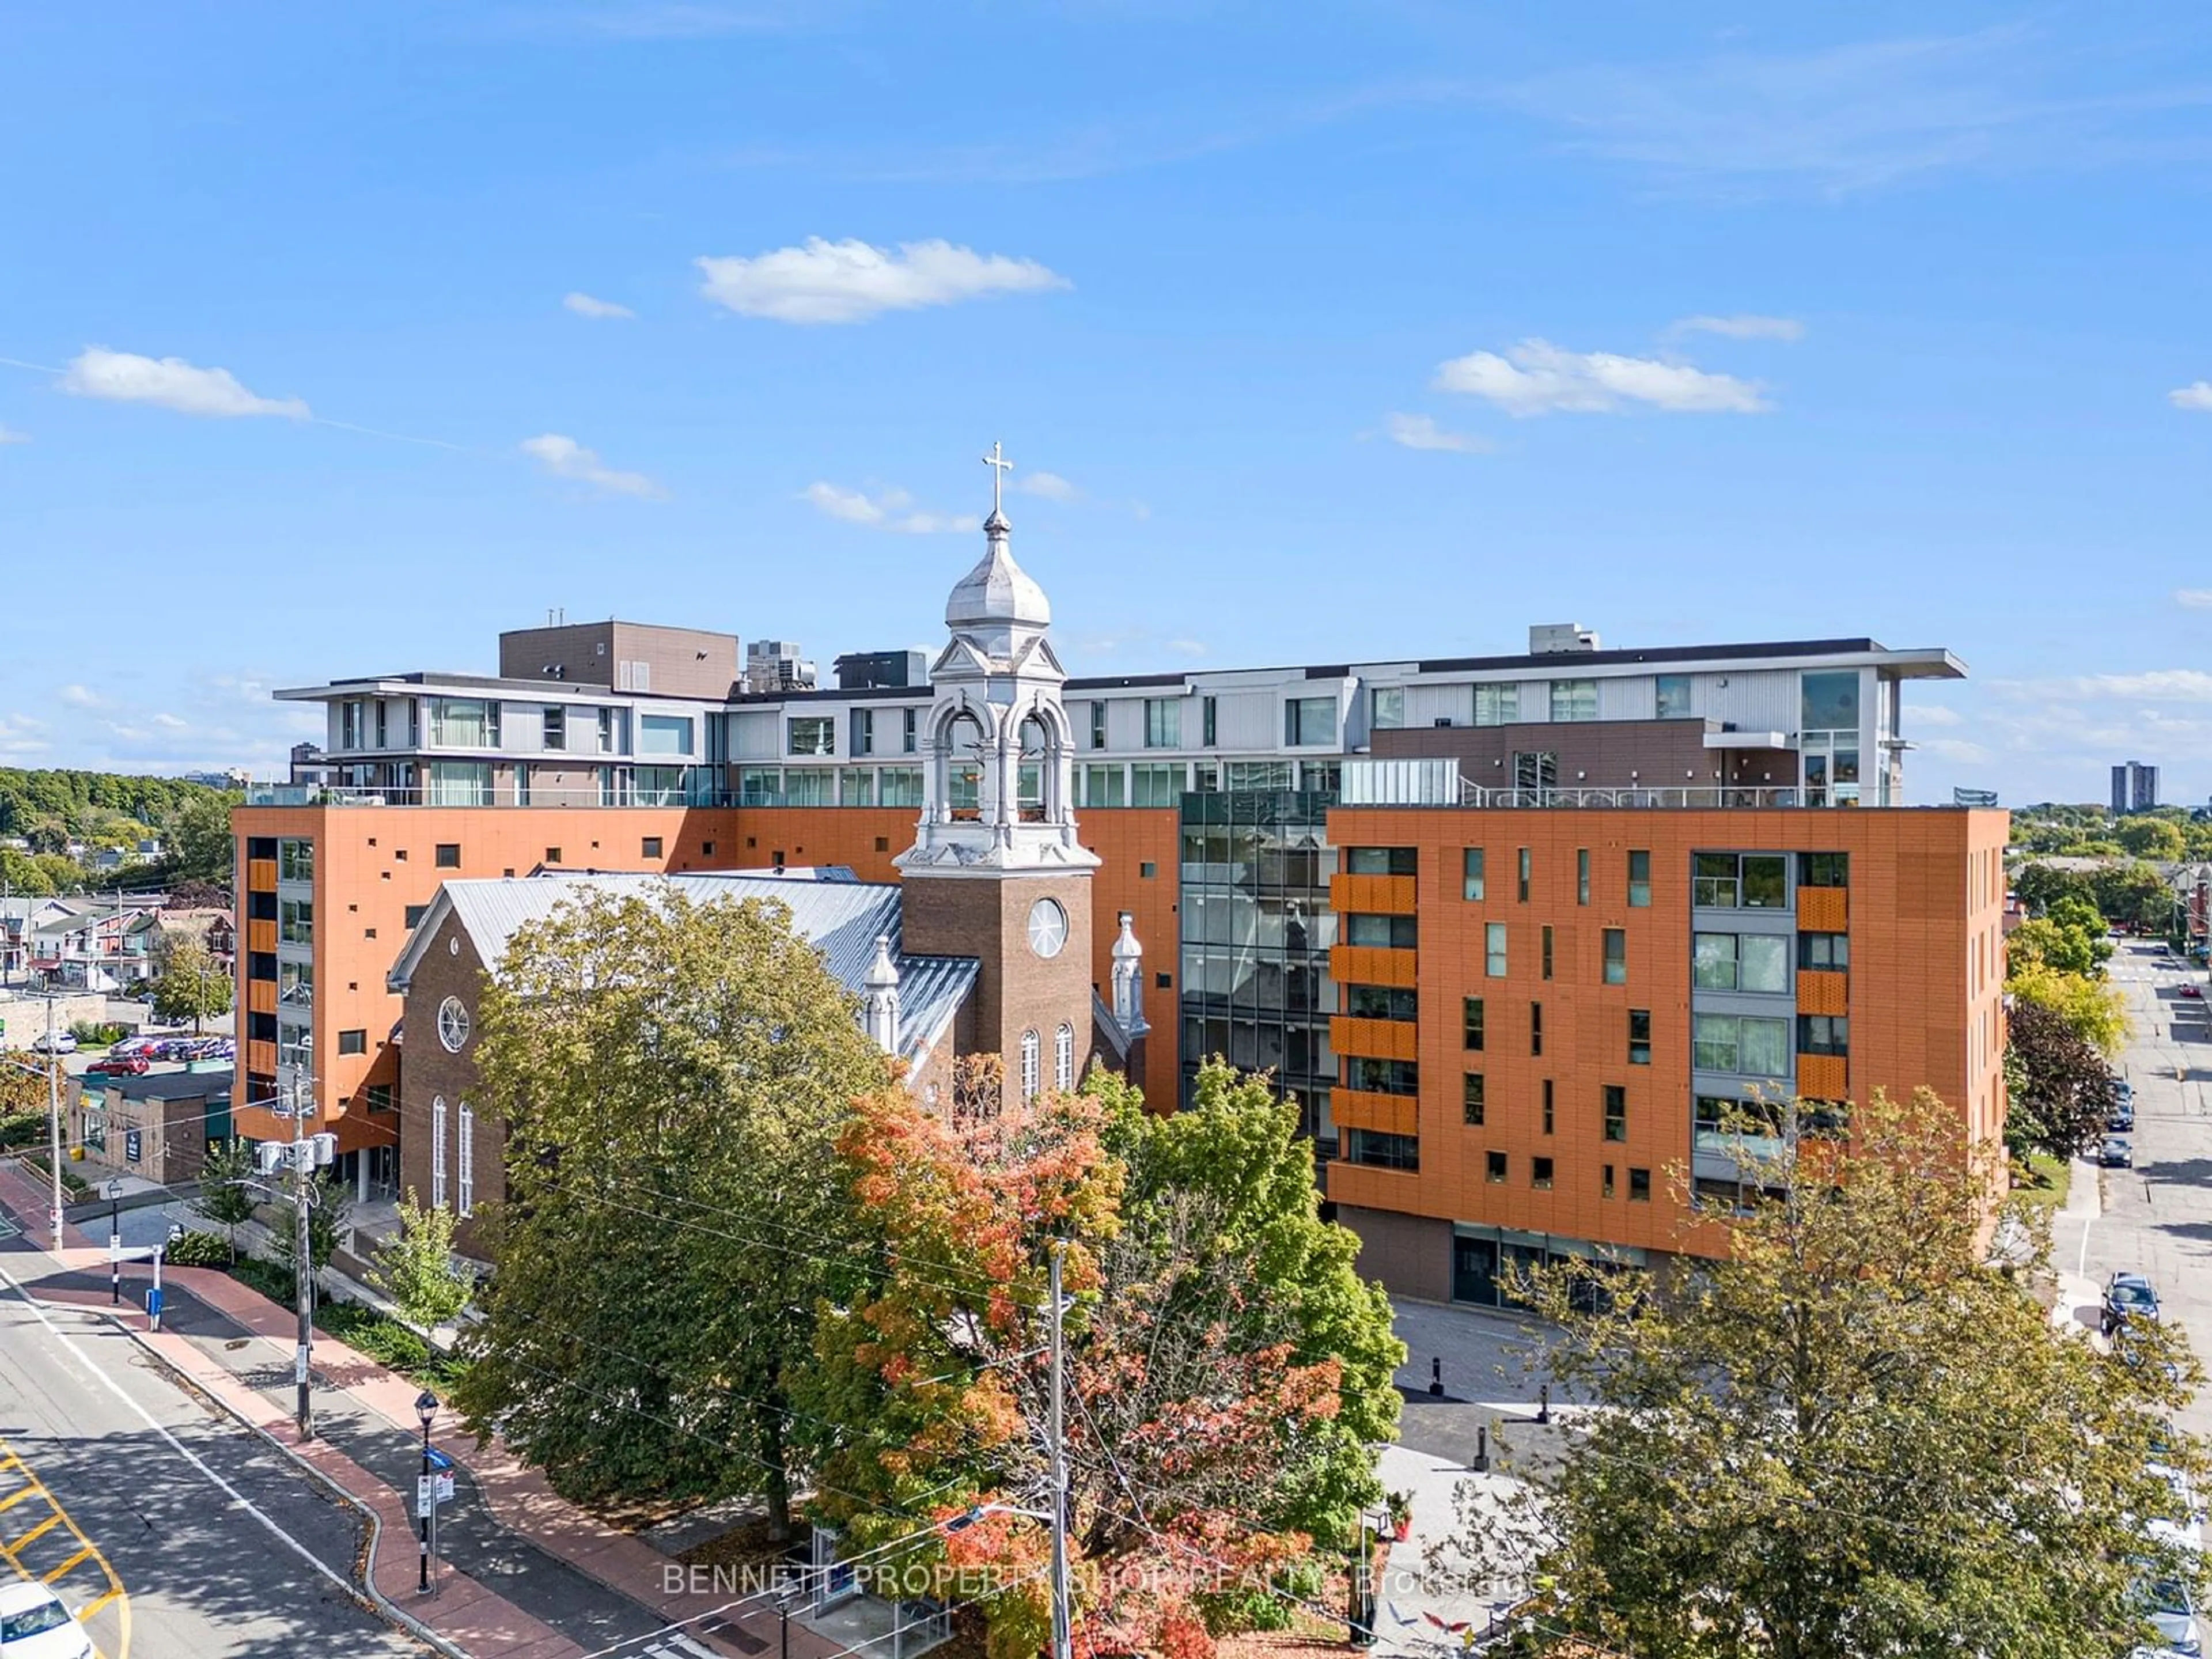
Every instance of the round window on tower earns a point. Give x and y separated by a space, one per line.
452 1024
1048 927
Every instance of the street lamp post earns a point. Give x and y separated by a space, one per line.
426 1408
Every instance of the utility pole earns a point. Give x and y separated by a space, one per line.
1063 1641
303 1261
54 1114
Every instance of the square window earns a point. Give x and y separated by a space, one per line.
352 1042
706 848
1765 881
1147 870
1548 952
1824 952
1493 953
1164 981
415 912
1823 869
1497 705
1674 697
1494 1166
1639 880
1574 700
552 855
1470 880
1639 1186
1640 1036
1823 1034
1471 1023
1539 1173
1616 956
1523 892
649 847
1471 1097
1616 1112
1582 875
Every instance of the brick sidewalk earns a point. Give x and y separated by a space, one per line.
465 1612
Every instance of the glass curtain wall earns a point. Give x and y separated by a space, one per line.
1256 932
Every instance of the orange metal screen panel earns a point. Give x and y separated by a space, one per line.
261 1057
1821 1077
261 875
1395 1114
1823 909
260 935
1822 993
261 996
1386 895
1377 1039
1371 964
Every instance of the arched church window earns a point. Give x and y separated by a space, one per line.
963 767
1029 777
1063 1058
1029 1059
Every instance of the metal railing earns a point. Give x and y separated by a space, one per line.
334 794
1639 795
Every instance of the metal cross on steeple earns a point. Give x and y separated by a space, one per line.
1000 467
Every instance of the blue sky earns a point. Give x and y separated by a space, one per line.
340 338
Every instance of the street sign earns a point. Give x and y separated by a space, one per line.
131 1145
299 1364
439 1463
115 1247
443 1484
425 1486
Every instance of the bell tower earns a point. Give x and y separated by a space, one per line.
996 870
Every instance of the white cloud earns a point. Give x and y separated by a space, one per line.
1956 749
564 458
1421 432
1188 647
81 697
2193 599
124 377
9 436
2195 395
1933 714
171 723
1049 485
885 509
1739 327
850 281
585 306
1537 378
2155 685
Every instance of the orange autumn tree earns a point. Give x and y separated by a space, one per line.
1227 1370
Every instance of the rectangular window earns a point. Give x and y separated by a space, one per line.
1101 786
438 1151
1616 1112
1162 723
1471 1023
1548 1121
649 847
1390 1002
456 783
608 744
1539 1173
1639 881
1829 701
1829 953
1616 956
1535 1028
1098 723
350 724
1823 1034
352 1042
910 735
898 785
464 1156
1497 705
555 732
1470 872
1388 708
1748 881
1207 723
1381 861
1382 1152
1823 869
447 855
1520 885
863 740
295 921
1493 946
804 734
1674 697
1605 1186
295 860
261 907
415 912
1639 1186
1640 1036
377 1097
1309 722
1494 1166
1713 884
671 735
1547 951
1156 784
1535 774
1384 933
856 787
1471 1092
1741 1044
1582 875
1763 962
463 723
295 984
1574 700
1382 1077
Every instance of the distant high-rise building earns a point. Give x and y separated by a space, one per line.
2134 787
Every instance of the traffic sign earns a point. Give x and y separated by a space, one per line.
443 1484
424 1487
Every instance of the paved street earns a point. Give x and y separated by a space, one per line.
2157 1217
221 1550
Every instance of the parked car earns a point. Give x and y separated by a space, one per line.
120 1065
60 1043
2116 1153
2122 1089
2173 1616
2190 988
34 1625
2129 1295
2121 1118
173 1048
137 1045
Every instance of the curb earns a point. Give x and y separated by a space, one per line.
364 1565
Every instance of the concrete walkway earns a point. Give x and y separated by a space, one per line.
237 1349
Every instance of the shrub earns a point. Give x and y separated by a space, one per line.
98 1034
199 1250
22 1129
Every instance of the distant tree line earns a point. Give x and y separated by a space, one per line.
52 809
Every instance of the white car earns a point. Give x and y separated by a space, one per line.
34 1625
60 1043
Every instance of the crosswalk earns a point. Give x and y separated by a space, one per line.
675 1644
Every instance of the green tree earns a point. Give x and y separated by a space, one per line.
2149 837
2059 1091
330 1212
1847 1435
193 985
228 1197
1230 1369
2132 895
2039 885
415 1267
2093 1008
200 846
671 1077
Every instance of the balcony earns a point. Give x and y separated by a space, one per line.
1433 782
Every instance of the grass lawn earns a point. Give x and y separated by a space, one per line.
2047 1182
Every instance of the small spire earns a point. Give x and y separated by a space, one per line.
1000 467
883 972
